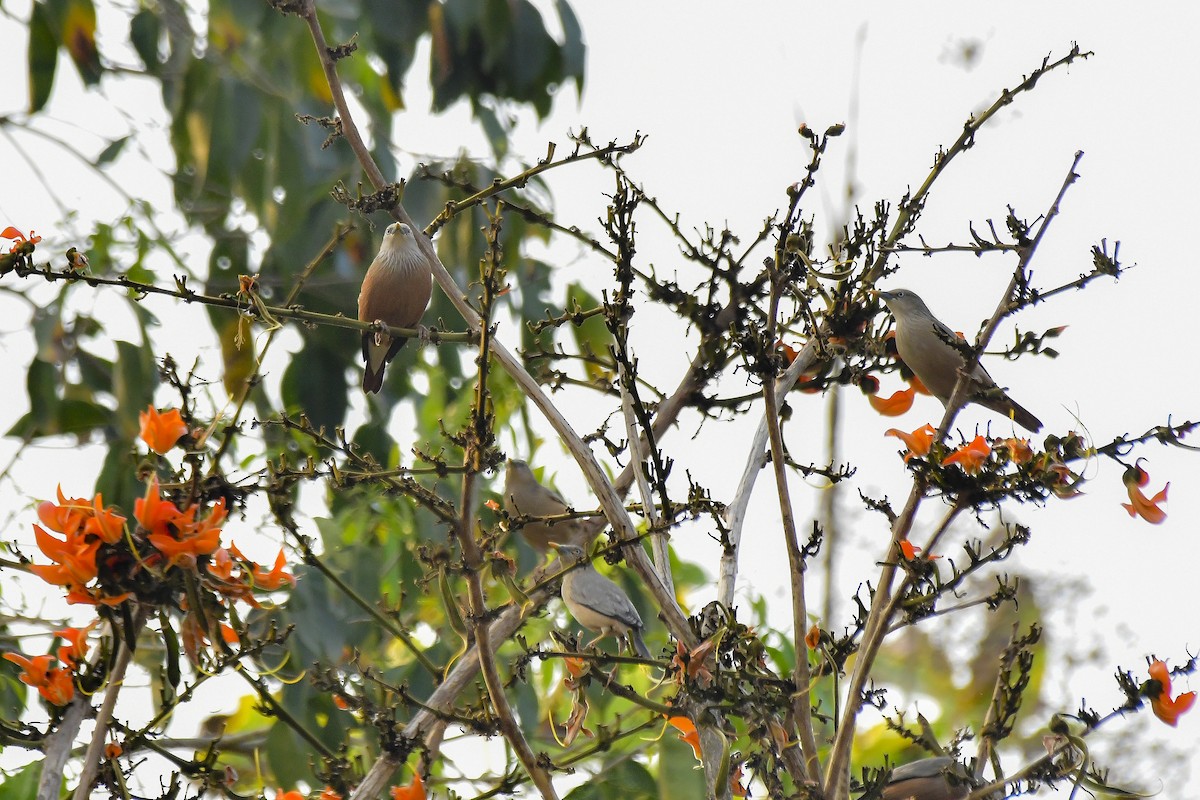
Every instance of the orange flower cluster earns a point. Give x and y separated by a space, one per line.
1158 688
56 685
19 239
103 560
177 534
86 525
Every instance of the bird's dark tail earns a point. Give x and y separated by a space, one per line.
635 637
1014 411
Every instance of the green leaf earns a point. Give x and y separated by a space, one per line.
314 382
41 382
574 51
133 385
79 40
622 780
592 335
43 57
23 783
113 150
679 774
118 480
145 29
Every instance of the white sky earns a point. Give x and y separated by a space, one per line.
720 93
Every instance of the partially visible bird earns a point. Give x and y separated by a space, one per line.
395 291
524 496
924 344
597 603
926 779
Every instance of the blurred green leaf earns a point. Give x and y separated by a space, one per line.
145 30
134 383
619 781
314 383
79 39
43 57
23 783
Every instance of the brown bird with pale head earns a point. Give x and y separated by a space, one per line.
524 496
395 292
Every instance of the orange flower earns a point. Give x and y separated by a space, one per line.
161 431
575 667
1164 707
1139 506
917 386
56 685
221 564
414 791
918 442
812 639
280 794
691 663
19 238
228 634
35 671
112 750
687 732
76 559
108 525
329 794
910 551
1019 451
270 581
60 689
175 533
970 456
155 514
72 653
893 406
66 517
91 597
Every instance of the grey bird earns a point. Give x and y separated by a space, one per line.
395 291
924 344
926 779
597 603
524 496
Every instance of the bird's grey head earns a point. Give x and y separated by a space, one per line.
569 552
398 228
518 467
904 301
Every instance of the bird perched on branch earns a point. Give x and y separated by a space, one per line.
924 344
926 779
597 603
524 496
395 292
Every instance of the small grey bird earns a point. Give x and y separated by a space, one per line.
925 779
597 603
924 344
395 291
524 496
